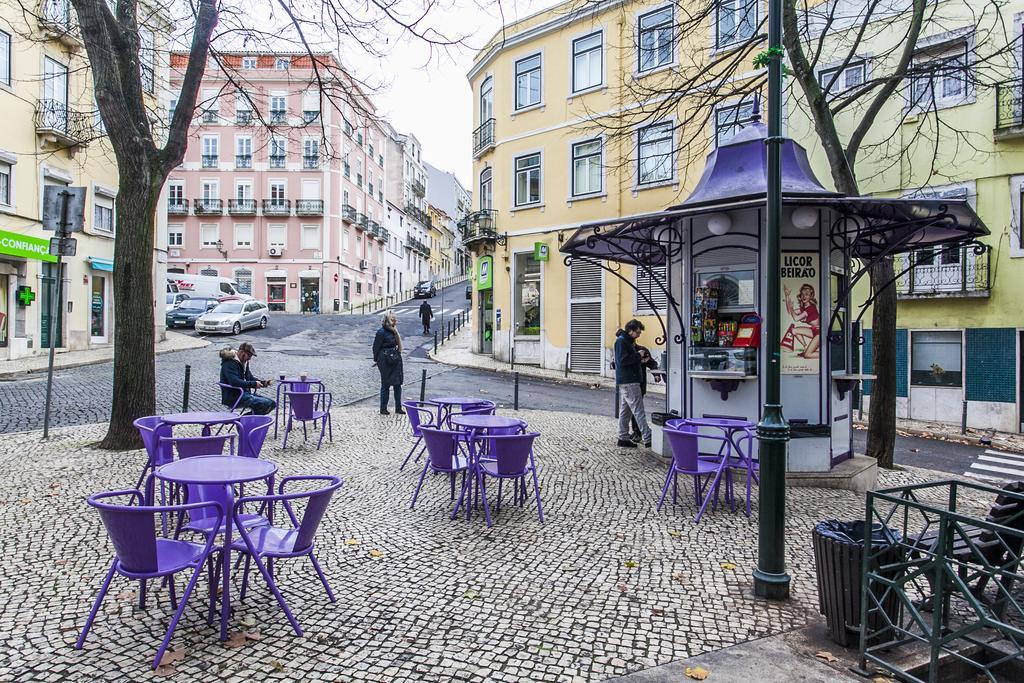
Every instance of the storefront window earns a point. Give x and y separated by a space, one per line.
97 308
837 336
735 288
527 294
935 359
4 322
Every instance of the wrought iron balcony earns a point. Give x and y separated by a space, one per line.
348 213
242 207
243 161
67 126
483 137
208 207
311 161
55 18
362 220
243 117
278 116
309 207
1009 109
210 116
385 235
479 228
277 207
210 160
962 271
277 160
418 189
177 207
310 115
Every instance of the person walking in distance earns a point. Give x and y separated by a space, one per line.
426 314
628 375
387 356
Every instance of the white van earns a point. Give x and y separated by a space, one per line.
204 286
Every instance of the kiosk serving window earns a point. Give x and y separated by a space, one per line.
724 329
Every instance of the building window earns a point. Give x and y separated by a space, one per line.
730 119
277 192
935 359
243 236
209 271
837 81
526 294
5 58
147 59
486 193
654 154
735 21
208 236
939 77
586 167
249 62
527 180
655 39
243 152
345 242
103 213
175 237
211 151
587 61
278 108
243 277
310 236
648 290
6 173
278 153
276 236
311 153
528 81
282 63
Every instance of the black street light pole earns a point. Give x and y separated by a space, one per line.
770 578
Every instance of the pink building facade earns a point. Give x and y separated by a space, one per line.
282 187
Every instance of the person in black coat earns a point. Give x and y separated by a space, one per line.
646 363
387 356
235 372
426 314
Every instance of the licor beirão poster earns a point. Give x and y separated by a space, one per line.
801 317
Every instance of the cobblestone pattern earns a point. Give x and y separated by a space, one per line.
605 587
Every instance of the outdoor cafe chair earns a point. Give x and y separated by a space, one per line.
511 457
445 455
262 545
139 554
306 406
152 429
253 430
682 439
420 413
238 399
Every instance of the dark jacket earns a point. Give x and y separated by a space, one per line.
232 373
651 364
391 372
426 312
628 369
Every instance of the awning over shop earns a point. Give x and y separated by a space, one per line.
276 274
309 274
638 240
97 263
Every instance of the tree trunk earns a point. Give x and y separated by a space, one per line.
134 334
882 413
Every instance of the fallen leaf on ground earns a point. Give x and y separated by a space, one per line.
376 553
696 673
679 577
630 563
278 666
55 485
620 537
471 594
253 635
352 541
657 611
235 639
165 670
623 588
827 656
61 562
171 656
248 620
727 565
675 534
124 595
26 501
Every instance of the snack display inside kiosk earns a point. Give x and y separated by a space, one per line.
724 332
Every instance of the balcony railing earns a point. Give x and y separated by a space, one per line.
1009 109
70 127
348 213
936 273
417 214
309 207
208 207
55 18
311 161
483 137
210 160
277 160
418 189
243 161
362 220
309 116
277 207
177 207
210 116
242 207
277 116
243 117
479 227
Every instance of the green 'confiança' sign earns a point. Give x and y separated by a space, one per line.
25 246
484 273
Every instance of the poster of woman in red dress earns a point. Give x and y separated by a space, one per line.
801 339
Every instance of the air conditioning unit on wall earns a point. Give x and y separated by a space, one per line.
363 264
276 251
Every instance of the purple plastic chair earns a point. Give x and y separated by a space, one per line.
446 455
191 446
682 439
152 429
141 555
238 399
305 406
421 413
253 434
272 542
509 457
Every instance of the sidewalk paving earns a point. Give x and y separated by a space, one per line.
457 351
175 341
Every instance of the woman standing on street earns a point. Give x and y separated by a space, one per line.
387 356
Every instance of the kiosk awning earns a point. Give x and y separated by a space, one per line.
639 240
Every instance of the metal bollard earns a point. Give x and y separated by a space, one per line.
423 385
963 419
513 357
435 341
449 330
515 393
184 393
566 365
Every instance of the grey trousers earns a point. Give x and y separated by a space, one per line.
631 404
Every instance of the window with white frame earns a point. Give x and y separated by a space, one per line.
208 236
648 291
243 150
147 58
939 76
210 105
936 359
310 236
842 79
655 154
278 107
278 152
277 191
5 58
6 186
655 39
311 152
243 190
587 61
248 62
735 21
210 189
276 235
486 189
528 81
102 212
243 236
345 242
587 167
527 170
211 151
282 63
730 119
176 193
175 236
209 271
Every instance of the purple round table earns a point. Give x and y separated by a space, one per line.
484 422
730 427
205 418
446 403
214 470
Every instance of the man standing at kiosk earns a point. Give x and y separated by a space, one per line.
628 374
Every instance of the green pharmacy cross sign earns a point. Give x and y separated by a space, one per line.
25 295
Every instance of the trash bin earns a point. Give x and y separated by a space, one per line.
839 563
337 305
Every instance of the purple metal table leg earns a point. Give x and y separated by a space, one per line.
225 605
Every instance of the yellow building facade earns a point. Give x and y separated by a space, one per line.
53 135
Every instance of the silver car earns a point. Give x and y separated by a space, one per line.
231 317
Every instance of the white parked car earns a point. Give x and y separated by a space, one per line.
231 317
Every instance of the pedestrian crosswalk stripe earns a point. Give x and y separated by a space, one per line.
1002 461
1019 473
1001 454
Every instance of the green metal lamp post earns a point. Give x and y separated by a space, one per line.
770 578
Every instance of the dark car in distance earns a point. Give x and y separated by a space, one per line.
425 290
186 313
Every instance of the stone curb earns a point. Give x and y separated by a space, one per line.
968 439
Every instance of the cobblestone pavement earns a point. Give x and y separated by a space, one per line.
605 586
